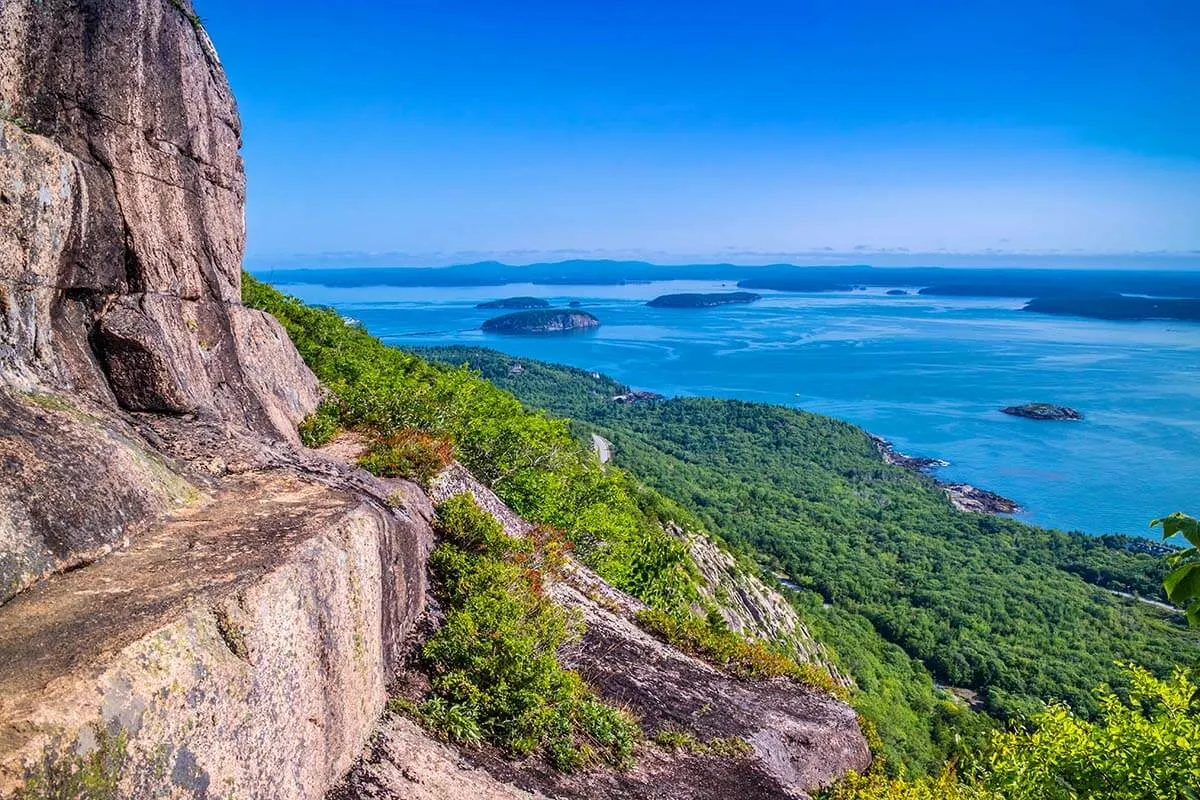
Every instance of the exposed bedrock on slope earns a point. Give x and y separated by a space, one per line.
800 739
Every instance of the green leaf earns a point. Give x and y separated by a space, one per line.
1193 615
1183 584
1178 523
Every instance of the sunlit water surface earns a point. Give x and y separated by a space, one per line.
927 373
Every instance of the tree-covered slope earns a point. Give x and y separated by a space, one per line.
1011 611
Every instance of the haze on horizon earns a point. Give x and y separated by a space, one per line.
1021 134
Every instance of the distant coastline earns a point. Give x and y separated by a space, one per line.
1108 294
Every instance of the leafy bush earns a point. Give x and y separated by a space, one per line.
408 453
676 740
1182 584
494 663
320 427
1144 746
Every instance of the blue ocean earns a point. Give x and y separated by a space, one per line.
928 373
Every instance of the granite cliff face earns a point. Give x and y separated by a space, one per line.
253 601
175 569
121 237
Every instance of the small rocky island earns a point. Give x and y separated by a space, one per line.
515 303
533 323
1043 411
703 300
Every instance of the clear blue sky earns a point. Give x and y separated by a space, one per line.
757 130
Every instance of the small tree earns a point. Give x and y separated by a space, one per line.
1183 582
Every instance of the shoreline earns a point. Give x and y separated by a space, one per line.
963 496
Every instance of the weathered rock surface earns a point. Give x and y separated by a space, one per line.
966 497
170 564
121 236
752 608
247 642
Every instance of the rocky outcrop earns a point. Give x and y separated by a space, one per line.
966 497
122 216
172 567
795 739
752 608
894 457
1043 411
962 496
247 643
121 236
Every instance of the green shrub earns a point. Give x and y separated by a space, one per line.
1143 746
408 453
677 740
321 426
494 662
1182 584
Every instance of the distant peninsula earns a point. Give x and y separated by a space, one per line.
1043 411
515 302
797 280
1118 307
541 321
703 300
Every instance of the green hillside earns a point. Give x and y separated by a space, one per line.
890 575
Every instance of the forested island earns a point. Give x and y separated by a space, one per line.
516 303
1118 307
703 300
541 322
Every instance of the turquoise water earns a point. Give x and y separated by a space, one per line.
927 373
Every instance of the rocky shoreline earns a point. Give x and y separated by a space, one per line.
963 496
